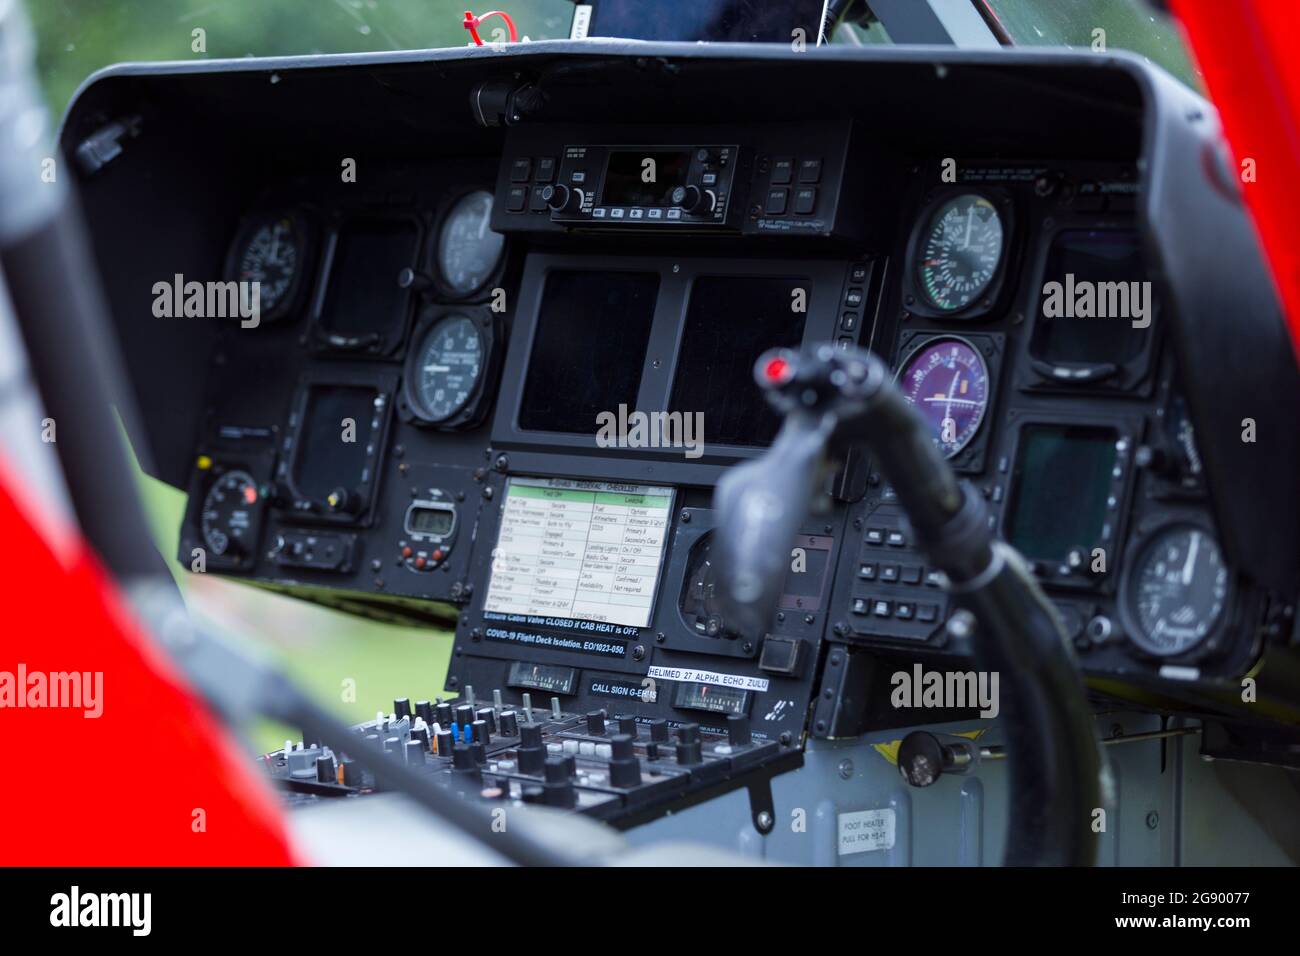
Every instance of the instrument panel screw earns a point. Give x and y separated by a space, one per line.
487 492
845 769
502 463
660 638
785 738
1153 820
808 619
747 647
839 629
857 524
764 822
686 516
638 652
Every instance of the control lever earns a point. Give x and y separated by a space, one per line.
833 400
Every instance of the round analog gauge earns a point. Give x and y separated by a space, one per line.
447 368
1177 590
271 254
960 251
228 514
468 249
948 380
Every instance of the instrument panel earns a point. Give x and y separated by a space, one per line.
1013 304
495 379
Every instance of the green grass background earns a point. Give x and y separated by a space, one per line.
318 647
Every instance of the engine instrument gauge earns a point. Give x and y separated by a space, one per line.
1177 590
959 251
468 250
445 372
272 251
948 380
229 516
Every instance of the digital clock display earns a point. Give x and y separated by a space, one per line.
431 521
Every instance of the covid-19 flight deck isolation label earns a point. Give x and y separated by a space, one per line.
588 550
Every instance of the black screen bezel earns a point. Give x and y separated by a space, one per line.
676 280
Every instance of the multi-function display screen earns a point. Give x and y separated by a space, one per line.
1060 487
363 295
1091 263
333 439
603 316
730 322
644 178
580 549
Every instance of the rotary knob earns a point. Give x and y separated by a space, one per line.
694 201
562 198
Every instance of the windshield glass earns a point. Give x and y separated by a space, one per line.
1099 25
77 37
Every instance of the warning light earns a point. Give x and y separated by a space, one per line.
250 494
777 370
204 463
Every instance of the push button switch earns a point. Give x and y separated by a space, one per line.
810 170
805 200
776 201
782 170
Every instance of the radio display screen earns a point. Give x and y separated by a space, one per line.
637 178
588 550
1060 486
715 370
604 317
